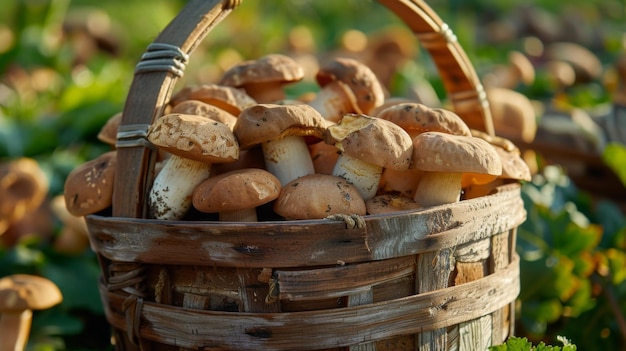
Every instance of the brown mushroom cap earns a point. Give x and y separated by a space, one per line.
269 68
586 64
388 203
373 140
194 137
89 187
417 118
318 196
513 114
228 98
513 165
265 122
235 190
199 108
442 152
23 188
523 68
108 132
360 78
19 292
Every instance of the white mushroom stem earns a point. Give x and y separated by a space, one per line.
332 102
243 215
287 158
170 196
363 175
14 330
438 188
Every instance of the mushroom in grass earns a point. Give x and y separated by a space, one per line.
445 159
194 142
318 196
23 188
347 86
20 294
235 195
416 118
281 132
89 187
229 99
264 78
368 145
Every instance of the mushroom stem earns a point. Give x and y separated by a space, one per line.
287 158
265 93
332 101
363 175
438 188
14 330
170 196
243 215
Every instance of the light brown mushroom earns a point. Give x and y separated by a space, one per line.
20 294
347 86
318 196
108 132
89 187
445 158
368 145
229 99
23 188
235 195
586 65
513 115
264 78
194 142
390 203
280 130
199 108
519 70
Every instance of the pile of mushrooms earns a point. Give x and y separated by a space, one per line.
241 148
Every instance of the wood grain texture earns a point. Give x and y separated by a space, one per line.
328 328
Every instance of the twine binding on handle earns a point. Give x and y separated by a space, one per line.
132 135
163 57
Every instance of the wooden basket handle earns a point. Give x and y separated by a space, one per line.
164 62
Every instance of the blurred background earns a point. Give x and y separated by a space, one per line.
65 69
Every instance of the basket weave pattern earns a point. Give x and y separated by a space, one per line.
441 278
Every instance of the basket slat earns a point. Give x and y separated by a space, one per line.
329 328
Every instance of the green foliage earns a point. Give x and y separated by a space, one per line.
522 344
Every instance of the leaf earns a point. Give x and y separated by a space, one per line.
614 155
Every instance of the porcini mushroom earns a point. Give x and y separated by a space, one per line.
199 108
194 142
416 118
347 86
445 158
264 78
518 70
89 187
229 99
235 195
20 294
108 132
318 196
513 114
280 130
23 188
368 145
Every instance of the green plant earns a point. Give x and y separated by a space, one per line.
522 344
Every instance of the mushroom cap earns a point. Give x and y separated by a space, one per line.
388 203
373 140
513 165
23 188
442 152
199 108
89 187
361 79
228 98
417 118
19 292
194 137
513 114
108 132
264 122
522 67
266 69
317 196
236 190
586 64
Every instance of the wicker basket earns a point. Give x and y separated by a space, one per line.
442 278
